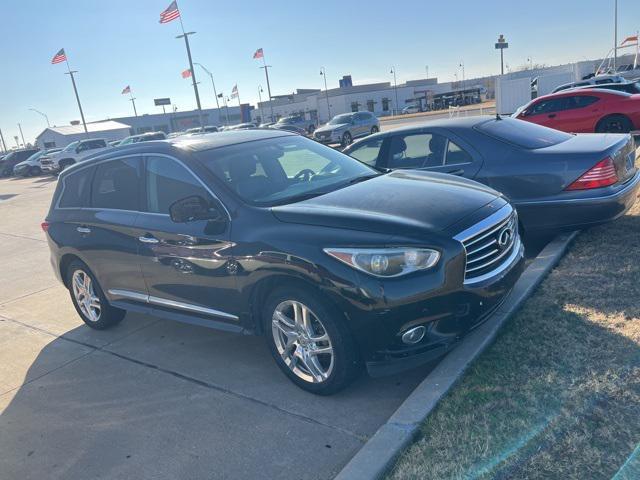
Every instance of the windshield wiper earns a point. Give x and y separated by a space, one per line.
362 179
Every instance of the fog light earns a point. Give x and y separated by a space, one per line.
413 335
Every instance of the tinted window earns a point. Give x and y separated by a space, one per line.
367 151
116 184
76 189
282 170
580 101
547 106
456 155
523 134
416 151
167 182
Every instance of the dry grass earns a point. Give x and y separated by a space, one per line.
558 394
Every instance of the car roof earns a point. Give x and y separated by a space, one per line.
592 90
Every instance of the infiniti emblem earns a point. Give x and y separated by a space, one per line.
504 237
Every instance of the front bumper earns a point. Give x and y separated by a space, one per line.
572 214
328 139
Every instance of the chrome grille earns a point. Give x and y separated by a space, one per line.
490 244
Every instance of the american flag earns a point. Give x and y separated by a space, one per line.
259 53
126 89
59 57
234 91
186 73
632 39
171 13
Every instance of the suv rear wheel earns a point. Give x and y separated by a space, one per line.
309 341
89 300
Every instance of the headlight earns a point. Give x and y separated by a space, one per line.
386 262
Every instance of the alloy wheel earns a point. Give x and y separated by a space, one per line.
302 341
86 298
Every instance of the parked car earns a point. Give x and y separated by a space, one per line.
73 153
298 121
205 129
585 111
596 80
14 158
344 128
269 233
241 126
31 166
411 109
628 87
291 128
143 137
556 181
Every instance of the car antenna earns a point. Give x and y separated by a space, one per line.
498 117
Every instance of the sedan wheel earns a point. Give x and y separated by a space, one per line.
374 129
614 124
302 341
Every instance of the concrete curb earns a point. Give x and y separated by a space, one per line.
380 453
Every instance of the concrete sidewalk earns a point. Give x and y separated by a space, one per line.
152 399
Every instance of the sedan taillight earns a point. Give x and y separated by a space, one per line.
602 174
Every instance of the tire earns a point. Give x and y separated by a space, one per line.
346 140
311 129
614 124
63 164
34 171
320 373
95 311
374 129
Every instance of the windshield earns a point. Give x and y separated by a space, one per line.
288 120
522 134
340 119
71 146
36 155
282 170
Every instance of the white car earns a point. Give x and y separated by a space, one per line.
73 153
411 109
597 80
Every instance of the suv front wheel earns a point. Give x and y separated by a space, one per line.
89 300
309 341
346 139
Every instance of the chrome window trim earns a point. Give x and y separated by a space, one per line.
163 302
486 224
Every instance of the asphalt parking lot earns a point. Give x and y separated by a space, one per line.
166 399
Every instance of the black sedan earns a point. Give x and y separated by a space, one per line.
556 180
266 232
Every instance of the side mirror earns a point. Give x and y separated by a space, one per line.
193 208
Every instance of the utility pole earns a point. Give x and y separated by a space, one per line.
395 87
4 145
185 35
22 135
266 74
615 36
323 72
133 102
43 114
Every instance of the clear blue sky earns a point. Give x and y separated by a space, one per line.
114 43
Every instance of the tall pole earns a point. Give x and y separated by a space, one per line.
266 74
501 61
133 102
43 114
75 90
226 107
260 103
185 35
395 87
215 94
323 72
615 36
22 135
4 145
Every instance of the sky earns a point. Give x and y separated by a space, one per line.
115 43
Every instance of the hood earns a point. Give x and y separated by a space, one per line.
398 202
329 128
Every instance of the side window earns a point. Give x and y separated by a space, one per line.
368 151
585 100
416 151
116 184
76 189
547 107
167 182
456 155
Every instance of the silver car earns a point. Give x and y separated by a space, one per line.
344 128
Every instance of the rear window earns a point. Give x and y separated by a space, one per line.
76 189
522 134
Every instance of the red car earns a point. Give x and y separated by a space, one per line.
585 111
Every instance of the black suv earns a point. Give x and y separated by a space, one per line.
12 159
270 233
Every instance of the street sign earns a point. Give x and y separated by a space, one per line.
502 43
161 101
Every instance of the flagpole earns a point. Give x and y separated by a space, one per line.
185 35
266 73
75 90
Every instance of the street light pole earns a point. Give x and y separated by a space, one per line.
323 72
22 135
215 94
615 36
260 103
185 35
43 114
395 87
75 90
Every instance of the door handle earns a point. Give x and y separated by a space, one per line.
145 239
83 230
552 115
458 172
